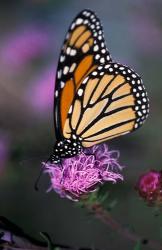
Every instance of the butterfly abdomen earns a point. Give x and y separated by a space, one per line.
65 149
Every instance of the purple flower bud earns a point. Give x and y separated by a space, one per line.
82 174
149 186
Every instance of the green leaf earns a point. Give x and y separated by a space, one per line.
103 197
80 204
137 246
93 197
112 204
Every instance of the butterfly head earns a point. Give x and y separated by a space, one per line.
64 149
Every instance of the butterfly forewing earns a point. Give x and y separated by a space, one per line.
111 101
83 51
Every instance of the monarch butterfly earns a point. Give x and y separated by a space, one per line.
96 99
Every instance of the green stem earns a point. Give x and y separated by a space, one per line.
104 216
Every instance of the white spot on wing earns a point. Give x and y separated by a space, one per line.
94 73
72 67
62 84
59 73
102 60
70 110
66 69
68 50
80 92
85 80
73 52
134 76
56 93
96 48
97 56
62 58
72 26
79 21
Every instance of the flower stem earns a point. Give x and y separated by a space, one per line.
104 216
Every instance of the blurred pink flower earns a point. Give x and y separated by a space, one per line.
4 151
83 173
24 45
147 34
149 186
40 93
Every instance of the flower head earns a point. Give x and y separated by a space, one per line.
149 186
82 174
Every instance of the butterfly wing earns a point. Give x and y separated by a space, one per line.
111 101
83 50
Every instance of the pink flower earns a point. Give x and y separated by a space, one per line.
24 45
39 95
82 174
149 186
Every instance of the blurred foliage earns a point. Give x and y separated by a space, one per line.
137 246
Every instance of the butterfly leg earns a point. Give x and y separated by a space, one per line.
39 176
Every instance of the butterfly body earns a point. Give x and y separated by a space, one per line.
96 99
66 148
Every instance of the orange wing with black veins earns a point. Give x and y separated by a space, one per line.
84 49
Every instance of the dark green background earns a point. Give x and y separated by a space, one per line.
133 31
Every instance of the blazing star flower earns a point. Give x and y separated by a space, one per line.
149 186
82 174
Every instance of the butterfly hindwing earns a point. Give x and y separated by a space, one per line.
83 51
111 101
